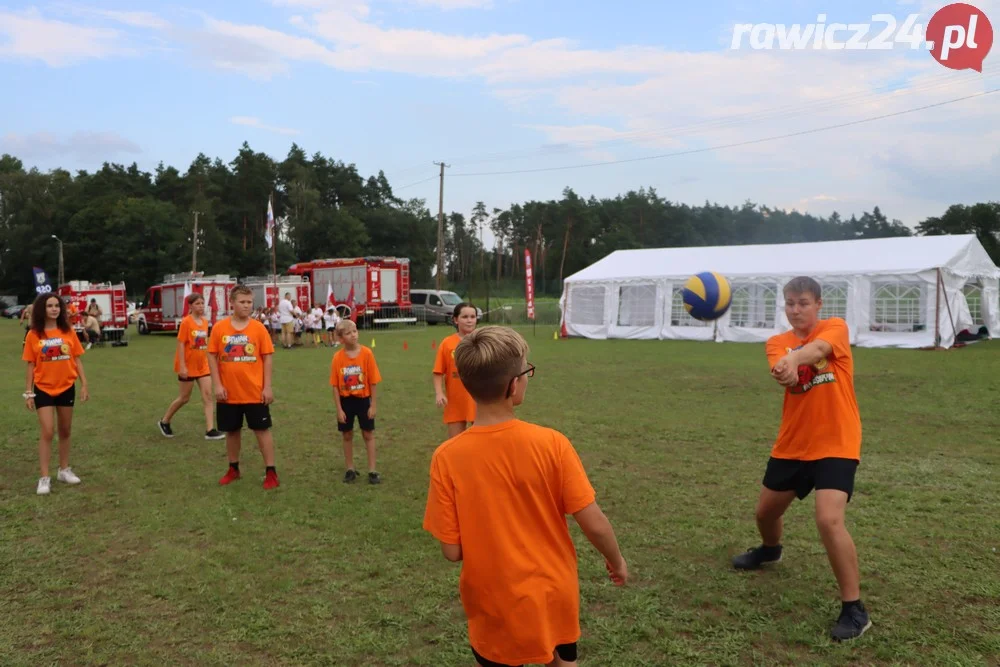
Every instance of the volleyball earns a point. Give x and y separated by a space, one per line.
707 296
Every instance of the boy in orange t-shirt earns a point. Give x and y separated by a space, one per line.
499 495
818 444
354 376
240 354
449 392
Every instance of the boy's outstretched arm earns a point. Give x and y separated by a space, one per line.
597 528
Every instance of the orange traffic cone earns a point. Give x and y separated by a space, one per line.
433 344
405 346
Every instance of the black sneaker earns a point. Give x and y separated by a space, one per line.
350 476
754 558
165 429
853 623
215 434
374 478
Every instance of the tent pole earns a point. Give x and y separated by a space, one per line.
937 310
947 303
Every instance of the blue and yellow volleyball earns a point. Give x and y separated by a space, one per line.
707 296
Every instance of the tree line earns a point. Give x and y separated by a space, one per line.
120 223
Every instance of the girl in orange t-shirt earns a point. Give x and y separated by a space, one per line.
449 392
53 353
191 366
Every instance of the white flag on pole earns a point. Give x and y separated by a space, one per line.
269 229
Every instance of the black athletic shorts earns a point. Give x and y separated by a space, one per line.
804 476
356 407
229 416
63 400
192 379
565 652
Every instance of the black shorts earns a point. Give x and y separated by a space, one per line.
804 476
229 416
63 400
565 652
192 379
356 407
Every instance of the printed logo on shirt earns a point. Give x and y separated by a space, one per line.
354 378
811 376
199 339
55 349
239 349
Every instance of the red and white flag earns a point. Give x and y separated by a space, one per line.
529 284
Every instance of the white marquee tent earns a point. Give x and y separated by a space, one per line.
912 292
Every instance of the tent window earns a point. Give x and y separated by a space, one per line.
754 305
637 306
834 300
898 307
586 305
974 297
678 313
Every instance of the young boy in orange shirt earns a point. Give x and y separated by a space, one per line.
240 354
354 376
818 444
449 393
498 499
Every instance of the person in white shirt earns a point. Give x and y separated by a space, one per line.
330 321
286 312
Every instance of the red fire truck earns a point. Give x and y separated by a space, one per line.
267 291
372 291
111 299
163 308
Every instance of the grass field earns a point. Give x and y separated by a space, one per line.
150 562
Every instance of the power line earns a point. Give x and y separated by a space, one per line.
732 145
429 178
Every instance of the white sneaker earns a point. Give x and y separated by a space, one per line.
66 475
44 486
89 345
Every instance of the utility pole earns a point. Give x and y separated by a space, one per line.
62 277
194 250
440 238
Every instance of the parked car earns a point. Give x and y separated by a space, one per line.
13 312
435 306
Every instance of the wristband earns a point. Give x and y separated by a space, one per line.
26 395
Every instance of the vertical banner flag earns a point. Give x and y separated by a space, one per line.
41 281
269 230
529 284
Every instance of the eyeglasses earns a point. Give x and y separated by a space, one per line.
530 372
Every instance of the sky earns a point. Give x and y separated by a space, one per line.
520 98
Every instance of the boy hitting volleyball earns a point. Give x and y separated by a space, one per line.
499 495
818 444
354 377
240 354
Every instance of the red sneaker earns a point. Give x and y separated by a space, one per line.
230 476
270 480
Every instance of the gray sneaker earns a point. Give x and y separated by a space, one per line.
853 622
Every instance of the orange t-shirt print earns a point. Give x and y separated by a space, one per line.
819 418
54 356
195 338
461 407
240 354
503 492
354 377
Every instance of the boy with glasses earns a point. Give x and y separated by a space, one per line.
499 495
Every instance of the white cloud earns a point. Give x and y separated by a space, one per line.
134 19
250 121
31 36
85 145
